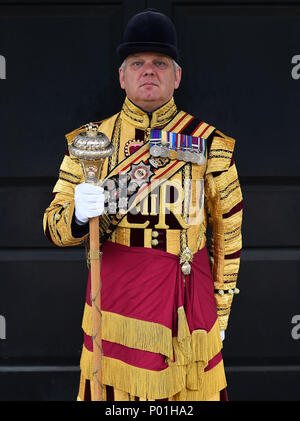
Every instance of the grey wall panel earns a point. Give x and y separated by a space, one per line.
273 383
23 211
270 216
237 75
34 385
62 71
260 324
42 302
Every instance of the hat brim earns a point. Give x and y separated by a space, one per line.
127 48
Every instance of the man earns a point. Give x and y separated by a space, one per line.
163 304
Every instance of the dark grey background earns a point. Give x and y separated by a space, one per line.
61 71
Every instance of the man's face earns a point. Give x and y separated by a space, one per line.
149 79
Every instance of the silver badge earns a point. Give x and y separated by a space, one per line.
194 157
165 152
187 156
200 159
155 150
180 155
140 173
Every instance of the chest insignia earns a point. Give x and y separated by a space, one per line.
140 173
131 146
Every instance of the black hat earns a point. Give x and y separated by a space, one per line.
149 30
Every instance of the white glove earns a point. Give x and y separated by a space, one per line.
222 333
89 202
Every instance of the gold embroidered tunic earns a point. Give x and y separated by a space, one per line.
175 215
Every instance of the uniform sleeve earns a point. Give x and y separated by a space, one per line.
224 206
58 222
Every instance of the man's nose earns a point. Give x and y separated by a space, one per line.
149 69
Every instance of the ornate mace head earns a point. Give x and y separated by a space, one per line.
91 148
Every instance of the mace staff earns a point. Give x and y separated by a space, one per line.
92 148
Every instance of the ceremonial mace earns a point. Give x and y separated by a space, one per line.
92 148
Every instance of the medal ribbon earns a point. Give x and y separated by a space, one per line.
177 142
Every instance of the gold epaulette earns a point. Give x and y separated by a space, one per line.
70 136
220 152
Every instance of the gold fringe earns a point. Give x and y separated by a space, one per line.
149 336
210 346
192 354
213 381
80 396
119 395
134 380
133 333
203 345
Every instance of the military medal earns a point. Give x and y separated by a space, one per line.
155 150
194 157
187 155
200 159
177 146
165 151
155 142
180 155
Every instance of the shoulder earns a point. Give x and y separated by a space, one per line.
189 124
219 145
220 149
105 125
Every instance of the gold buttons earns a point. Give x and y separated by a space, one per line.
154 241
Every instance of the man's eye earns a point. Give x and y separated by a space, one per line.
160 64
136 63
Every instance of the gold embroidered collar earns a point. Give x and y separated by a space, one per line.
143 120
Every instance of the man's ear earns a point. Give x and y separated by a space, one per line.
177 77
121 78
